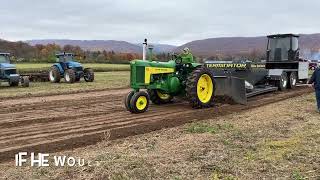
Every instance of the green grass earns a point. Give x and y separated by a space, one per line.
105 80
207 128
31 68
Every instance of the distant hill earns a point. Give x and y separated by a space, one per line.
205 47
236 45
160 48
108 45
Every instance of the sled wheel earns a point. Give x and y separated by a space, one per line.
283 82
292 80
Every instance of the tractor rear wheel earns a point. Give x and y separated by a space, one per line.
282 84
293 79
88 75
139 102
70 76
127 100
200 87
54 75
158 97
25 82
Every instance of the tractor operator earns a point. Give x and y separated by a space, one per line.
315 82
186 56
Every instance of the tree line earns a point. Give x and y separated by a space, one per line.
22 52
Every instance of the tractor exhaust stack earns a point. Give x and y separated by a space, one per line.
144 50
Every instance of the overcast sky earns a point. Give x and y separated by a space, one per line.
161 21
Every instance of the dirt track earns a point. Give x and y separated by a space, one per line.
53 123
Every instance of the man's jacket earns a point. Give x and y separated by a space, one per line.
315 78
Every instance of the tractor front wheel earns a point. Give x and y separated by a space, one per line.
54 75
158 97
139 102
200 88
127 100
25 82
88 75
70 76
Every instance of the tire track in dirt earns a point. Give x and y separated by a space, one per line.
49 124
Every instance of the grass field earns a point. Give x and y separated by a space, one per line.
276 141
30 68
103 80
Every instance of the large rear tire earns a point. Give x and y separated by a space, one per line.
293 79
54 75
282 84
139 102
70 76
200 87
88 75
158 97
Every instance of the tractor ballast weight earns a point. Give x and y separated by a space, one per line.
67 68
8 72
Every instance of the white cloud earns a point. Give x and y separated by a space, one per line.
165 21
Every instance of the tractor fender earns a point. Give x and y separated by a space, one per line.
58 65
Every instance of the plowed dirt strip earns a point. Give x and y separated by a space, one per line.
53 123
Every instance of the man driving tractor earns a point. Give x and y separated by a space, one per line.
186 56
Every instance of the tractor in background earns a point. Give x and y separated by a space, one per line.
69 69
8 72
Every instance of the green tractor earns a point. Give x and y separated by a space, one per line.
181 76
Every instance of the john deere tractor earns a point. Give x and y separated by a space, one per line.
159 82
67 68
8 72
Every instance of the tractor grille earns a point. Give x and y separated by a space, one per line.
10 71
140 74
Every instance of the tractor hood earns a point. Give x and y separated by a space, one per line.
7 66
73 64
169 64
157 64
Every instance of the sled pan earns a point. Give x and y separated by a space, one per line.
231 87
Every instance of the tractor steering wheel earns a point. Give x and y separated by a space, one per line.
177 59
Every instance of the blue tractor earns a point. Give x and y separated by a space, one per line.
67 68
8 72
